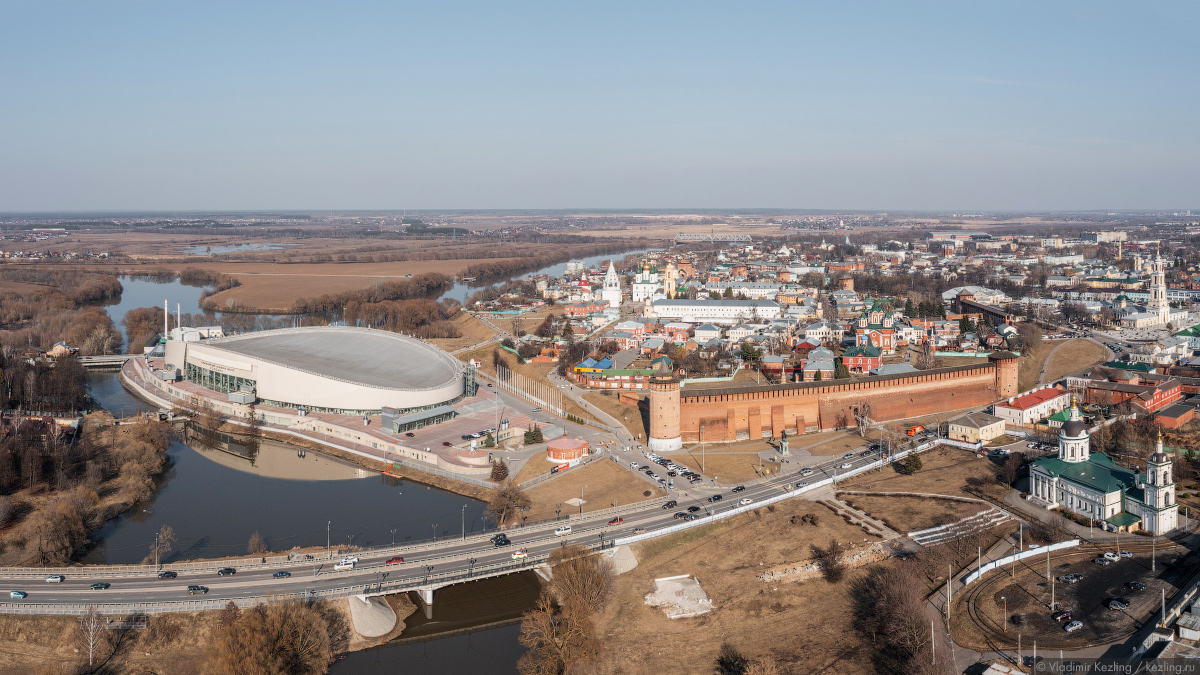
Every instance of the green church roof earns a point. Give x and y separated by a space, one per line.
1099 473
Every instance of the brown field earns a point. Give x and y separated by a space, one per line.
21 287
606 483
944 471
732 464
909 514
1031 363
629 415
806 626
843 443
472 332
533 467
1072 357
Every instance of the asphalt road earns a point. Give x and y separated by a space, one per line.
475 555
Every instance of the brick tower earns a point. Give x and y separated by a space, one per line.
664 411
1007 365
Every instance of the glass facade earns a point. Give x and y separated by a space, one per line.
219 382
425 422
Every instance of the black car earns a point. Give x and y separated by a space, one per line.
498 535
740 488
680 514
101 586
281 574
672 474
197 590
409 434
1136 586
693 509
226 571
715 498
671 504
502 542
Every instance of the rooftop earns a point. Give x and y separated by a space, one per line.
374 358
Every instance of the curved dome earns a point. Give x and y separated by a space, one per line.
1073 429
1160 458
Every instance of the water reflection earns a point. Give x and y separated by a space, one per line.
270 459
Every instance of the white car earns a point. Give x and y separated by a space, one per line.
519 555
1109 555
54 579
745 501
562 531
350 559
847 465
343 566
1073 626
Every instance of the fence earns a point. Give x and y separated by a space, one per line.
995 564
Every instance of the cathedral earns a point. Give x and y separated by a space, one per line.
876 328
1092 485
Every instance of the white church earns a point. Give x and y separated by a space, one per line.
1092 485
611 292
1158 311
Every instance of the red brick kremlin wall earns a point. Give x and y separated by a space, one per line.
754 412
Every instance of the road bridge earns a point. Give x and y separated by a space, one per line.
683 238
106 361
426 567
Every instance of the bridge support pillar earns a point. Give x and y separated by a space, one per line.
427 600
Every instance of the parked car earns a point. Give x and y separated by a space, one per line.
100 586
281 574
168 575
448 444
1136 586
394 560
562 531
616 521
197 590
1118 603
1073 626
1109 555
740 488
410 434
670 505
18 595
1125 554
1064 615
54 579
1102 561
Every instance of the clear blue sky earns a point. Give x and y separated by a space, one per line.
119 104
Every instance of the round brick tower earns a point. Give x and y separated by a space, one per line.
1007 365
664 412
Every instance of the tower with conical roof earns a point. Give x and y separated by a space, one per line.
611 293
1160 491
1158 291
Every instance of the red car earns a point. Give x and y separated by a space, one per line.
396 560
616 521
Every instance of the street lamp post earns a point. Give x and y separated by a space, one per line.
435 531
393 536
156 565
581 498
327 524
464 522
1004 618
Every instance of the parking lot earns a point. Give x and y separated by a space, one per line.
1023 604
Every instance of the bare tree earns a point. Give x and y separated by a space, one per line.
506 503
557 639
926 358
830 561
580 577
89 633
256 544
862 417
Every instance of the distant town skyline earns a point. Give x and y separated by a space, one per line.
943 106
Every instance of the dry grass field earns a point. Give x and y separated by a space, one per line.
806 626
909 514
840 444
606 484
472 332
629 415
729 464
1072 357
945 471
1031 363
20 287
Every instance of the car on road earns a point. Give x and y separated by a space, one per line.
671 504
519 555
562 530
848 455
18 595
679 514
534 410
409 434
168 575
740 488
693 516
502 542
744 501
350 559
715 498
1109 555
343 566
281 574
644 467
639 530
846 465
1118 603
226 571
616 521
1073 626
693 509
806 471
866 453
448 444
394 560
100 586
197 590
1136 586
54 579
633 465
660 479
1064 615
1102 561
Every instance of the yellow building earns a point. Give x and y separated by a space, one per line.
976 427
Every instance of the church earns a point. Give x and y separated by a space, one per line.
1092 485
1158 311
876 328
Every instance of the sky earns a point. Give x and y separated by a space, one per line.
950 106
